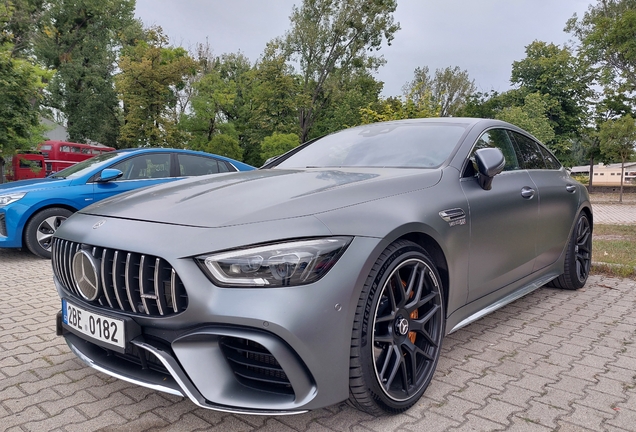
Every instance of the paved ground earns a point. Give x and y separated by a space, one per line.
553 360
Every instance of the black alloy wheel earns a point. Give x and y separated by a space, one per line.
399 353
583 249
578 258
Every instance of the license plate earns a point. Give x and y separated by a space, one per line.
102 328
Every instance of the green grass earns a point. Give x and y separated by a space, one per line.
614 250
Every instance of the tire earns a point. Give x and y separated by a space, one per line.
578 257
39 231
397 331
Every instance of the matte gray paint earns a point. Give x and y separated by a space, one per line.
376 206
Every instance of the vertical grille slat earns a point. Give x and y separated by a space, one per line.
106 285
130 282
116 286
158 285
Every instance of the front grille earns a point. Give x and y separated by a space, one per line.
131 282
3 225
255 366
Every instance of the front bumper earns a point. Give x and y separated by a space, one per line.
297 338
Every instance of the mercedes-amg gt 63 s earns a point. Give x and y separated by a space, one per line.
333 272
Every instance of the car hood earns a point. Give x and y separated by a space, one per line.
262 195
33 184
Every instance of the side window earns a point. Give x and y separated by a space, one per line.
145 167
529 153
190 165
550 161
495 138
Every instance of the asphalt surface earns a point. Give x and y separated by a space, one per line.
553 360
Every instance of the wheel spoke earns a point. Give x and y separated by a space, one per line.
410 285
391 366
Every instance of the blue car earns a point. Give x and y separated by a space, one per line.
32 210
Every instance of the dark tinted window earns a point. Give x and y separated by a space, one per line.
528 152
550 161
191 165
495 138
156 165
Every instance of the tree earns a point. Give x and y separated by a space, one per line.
564 81
224 145
617 138
531 116
151 75
447 92
606 33
81 39
21 85
329 36
277 144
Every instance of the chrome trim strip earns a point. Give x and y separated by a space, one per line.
191 392
173 291
157 276
127 284
503 302
90 363
104 286
115 287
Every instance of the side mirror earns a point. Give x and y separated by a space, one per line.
490 162
109 174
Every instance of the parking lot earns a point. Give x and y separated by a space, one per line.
553 360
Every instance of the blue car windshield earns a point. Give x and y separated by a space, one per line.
403 145
84 167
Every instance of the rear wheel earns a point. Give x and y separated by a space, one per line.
39 231
578 257
397 332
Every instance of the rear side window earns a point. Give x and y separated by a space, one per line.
528 152
190 165
550 161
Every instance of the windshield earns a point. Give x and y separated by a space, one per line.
81 168
398 144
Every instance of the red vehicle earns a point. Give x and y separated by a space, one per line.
25 166
61 154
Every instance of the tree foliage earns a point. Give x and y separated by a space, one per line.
80 39
563 79
446 92
607 32
151 74
329 37
277 144
20 95
531 116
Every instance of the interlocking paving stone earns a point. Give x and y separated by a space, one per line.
554 359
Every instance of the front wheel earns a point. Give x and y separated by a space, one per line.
39 231
397 332
578 257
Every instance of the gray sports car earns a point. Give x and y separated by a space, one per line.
332 273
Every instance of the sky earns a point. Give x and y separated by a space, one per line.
483 37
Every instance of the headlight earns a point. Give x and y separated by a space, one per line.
11 198
283 264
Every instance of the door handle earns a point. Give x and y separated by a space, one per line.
527 192
570 188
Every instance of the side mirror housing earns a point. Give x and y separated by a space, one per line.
490 162
109 174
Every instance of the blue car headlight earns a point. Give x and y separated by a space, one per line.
283 264
11 198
